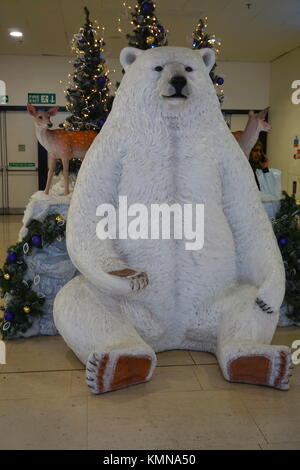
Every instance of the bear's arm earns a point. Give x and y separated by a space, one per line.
97 183
259 260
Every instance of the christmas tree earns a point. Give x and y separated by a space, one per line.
24 302
88 95
287 230
147 32
202 39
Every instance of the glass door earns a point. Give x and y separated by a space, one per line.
3 166
19 159
22 159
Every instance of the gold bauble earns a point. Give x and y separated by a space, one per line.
26 309
7 277
60 218
150 40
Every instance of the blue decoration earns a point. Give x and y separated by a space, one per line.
101 122
153 45
220 80
282 241
101 80
11 257
194 44
8 316
36 240
147 7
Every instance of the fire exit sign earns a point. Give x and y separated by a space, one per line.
41 98
21 164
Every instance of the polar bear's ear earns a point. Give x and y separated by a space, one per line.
128 56
208 57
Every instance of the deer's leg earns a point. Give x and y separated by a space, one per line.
52 165
65 162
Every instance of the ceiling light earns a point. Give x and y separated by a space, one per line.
16 34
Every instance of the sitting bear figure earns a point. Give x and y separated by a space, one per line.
165 142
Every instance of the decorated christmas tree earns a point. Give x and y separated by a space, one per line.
23 276
287 230
88 95
202 39
147 32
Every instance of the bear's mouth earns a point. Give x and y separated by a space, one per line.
176 95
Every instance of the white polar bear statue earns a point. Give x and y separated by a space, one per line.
165 142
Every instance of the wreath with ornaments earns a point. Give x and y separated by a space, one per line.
23 300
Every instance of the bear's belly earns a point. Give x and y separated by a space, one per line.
181 280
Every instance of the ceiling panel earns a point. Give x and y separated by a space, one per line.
263 32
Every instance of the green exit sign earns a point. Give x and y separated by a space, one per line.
21 164
3 99
41 98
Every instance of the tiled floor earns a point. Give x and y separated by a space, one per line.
45 404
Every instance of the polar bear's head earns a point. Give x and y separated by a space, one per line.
168 78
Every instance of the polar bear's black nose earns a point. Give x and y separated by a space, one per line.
178 82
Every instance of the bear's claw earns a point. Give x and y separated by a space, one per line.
115 370
272 368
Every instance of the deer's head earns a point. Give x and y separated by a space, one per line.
258 120
42 118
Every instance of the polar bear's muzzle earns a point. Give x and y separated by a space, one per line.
177 84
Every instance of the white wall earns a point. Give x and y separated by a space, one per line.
285 118
246 83
38 74
33 74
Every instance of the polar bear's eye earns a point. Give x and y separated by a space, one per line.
188 69
159 68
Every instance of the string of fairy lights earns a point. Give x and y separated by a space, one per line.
202 39
88 88
87 94
147 32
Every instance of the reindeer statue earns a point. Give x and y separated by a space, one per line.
256 124
60 143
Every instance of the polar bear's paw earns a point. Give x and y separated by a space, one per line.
137 280
114 370
271 367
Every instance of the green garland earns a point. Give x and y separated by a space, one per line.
287 230
23 303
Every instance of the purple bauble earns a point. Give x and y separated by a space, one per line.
36 240
12 257
220 80
8 316
101 80
147 7
282 241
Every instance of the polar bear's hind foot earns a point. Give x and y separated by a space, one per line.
114 370
272 369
